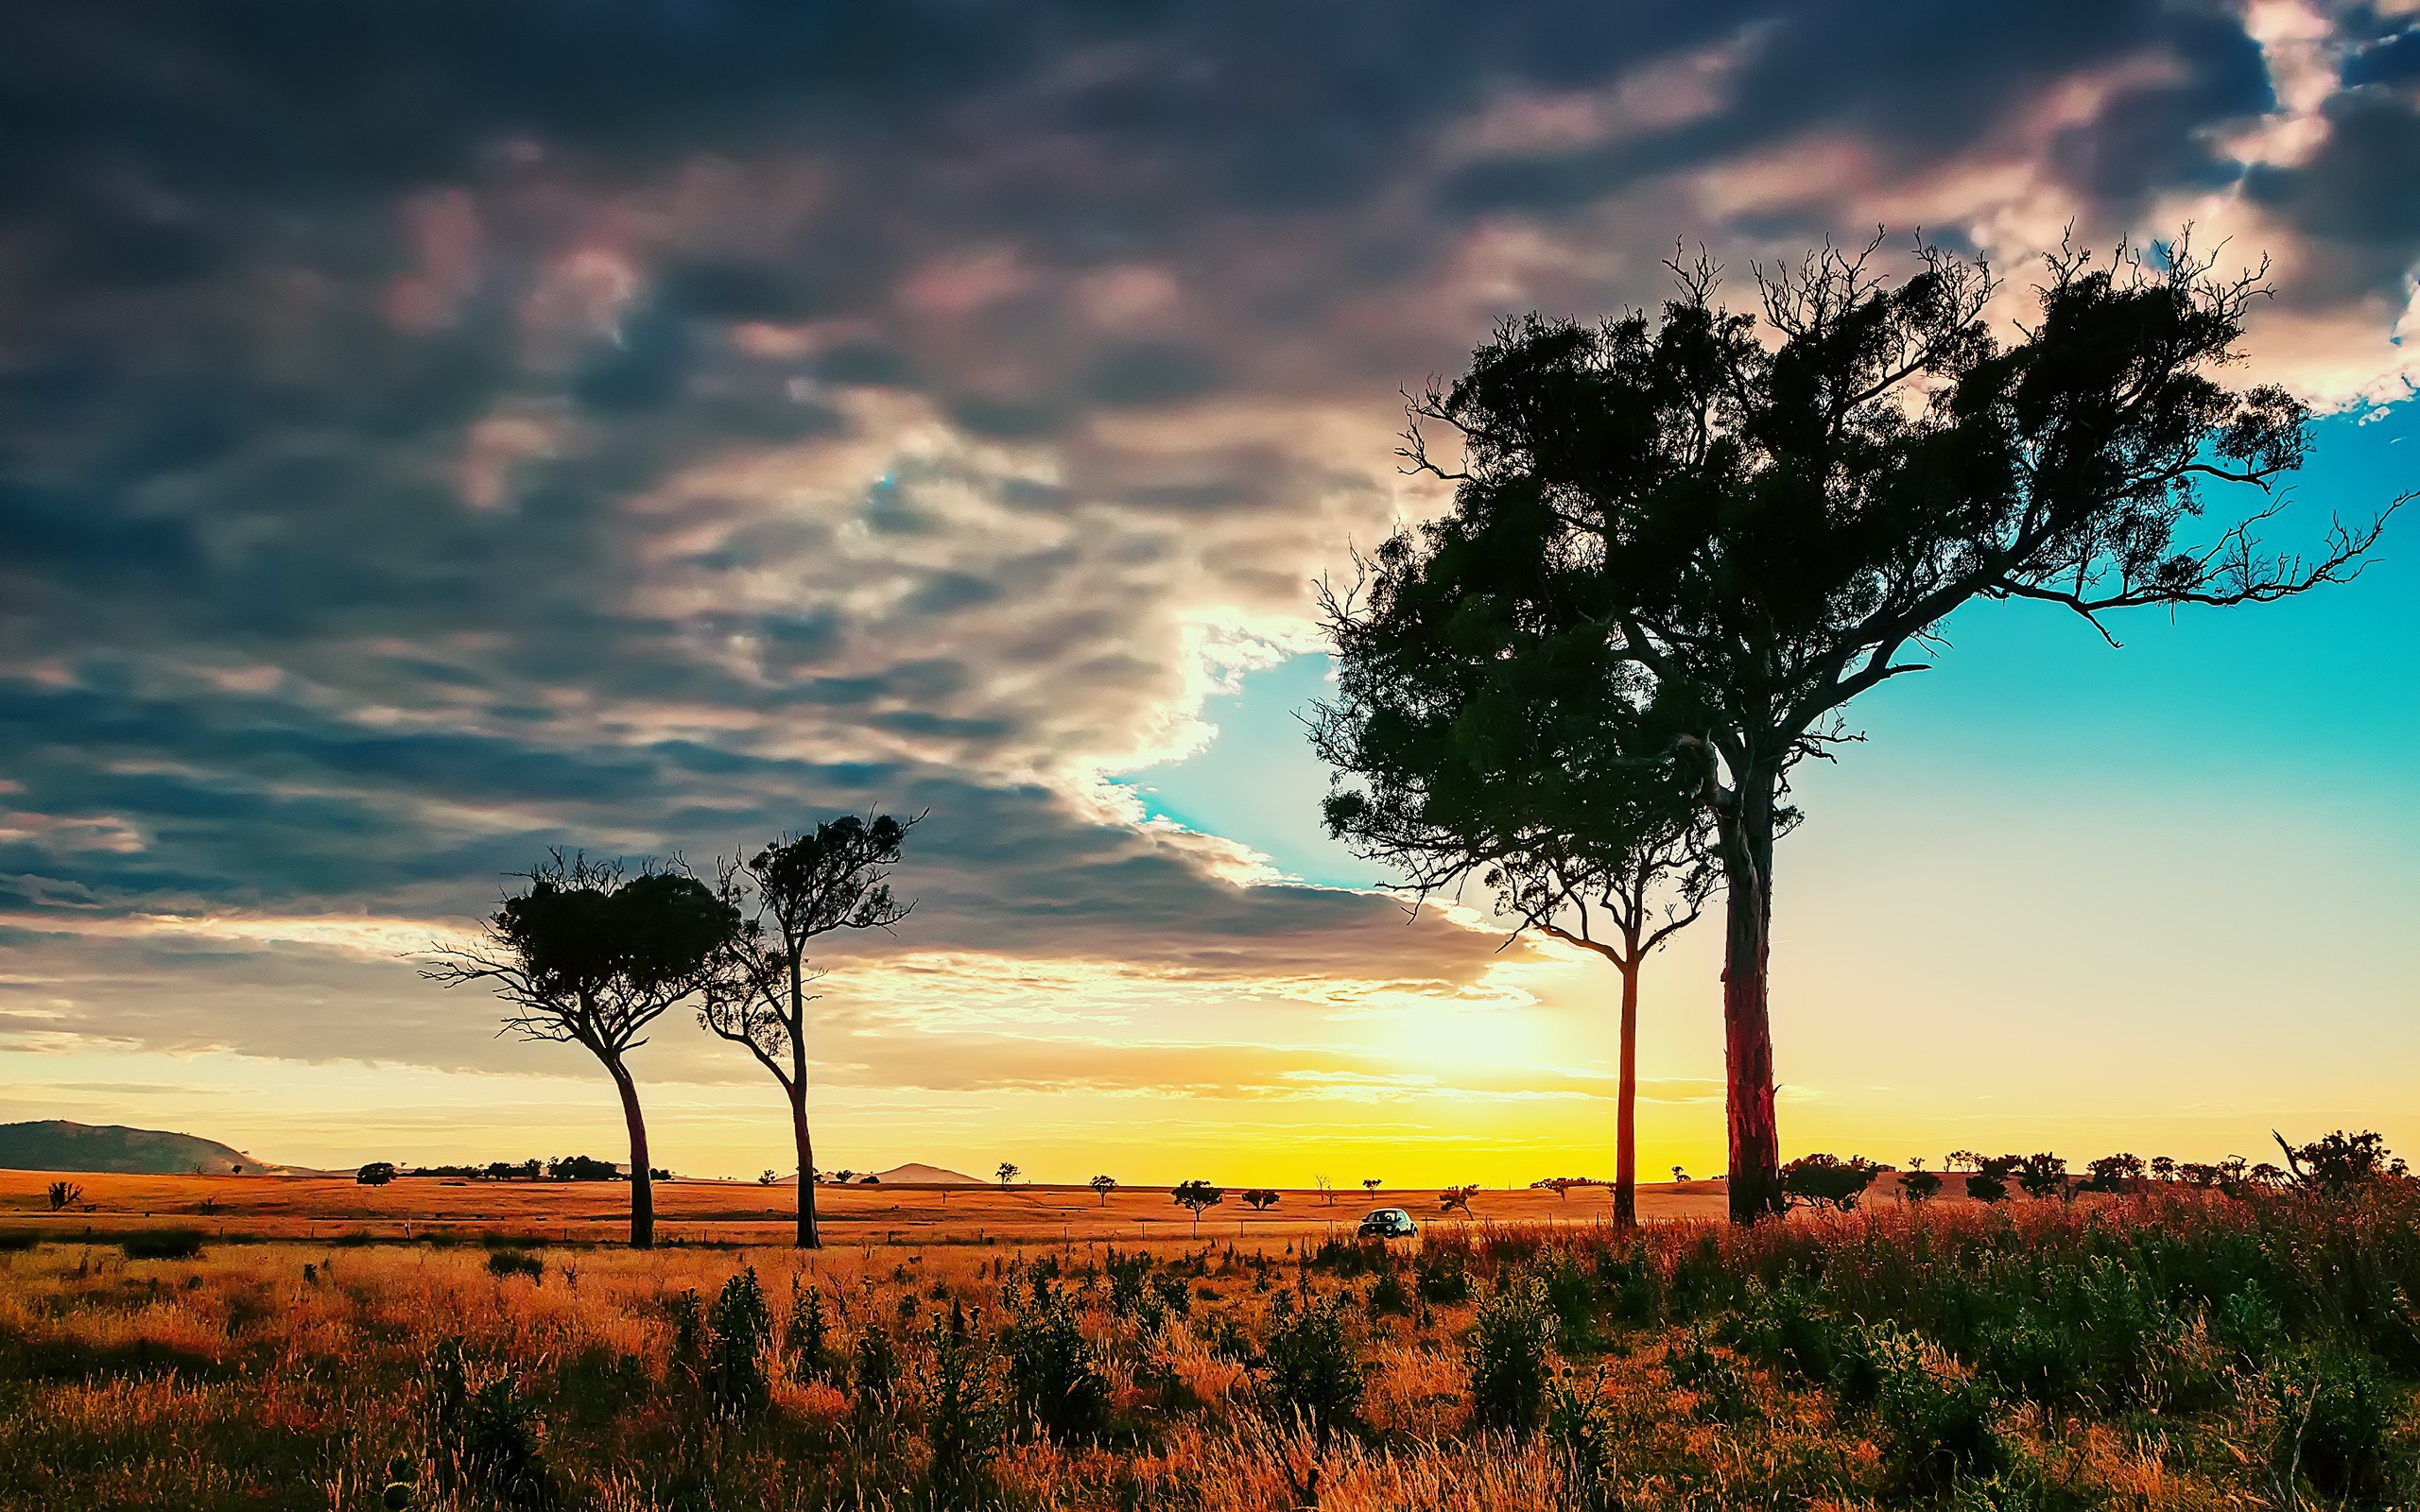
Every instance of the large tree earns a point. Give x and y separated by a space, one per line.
791 891
1758 522
591 956
1470 743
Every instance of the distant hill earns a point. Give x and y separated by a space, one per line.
55 1145
917 1174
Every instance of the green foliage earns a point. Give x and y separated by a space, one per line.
1509 1355
1442 1275
739 1332
1054 1373
1786 1327
1310 1369
2331 1413
1936 1419
483 1434
873 1371
1583 1439
965 1414
807 1334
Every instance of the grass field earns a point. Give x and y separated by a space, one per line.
267 1207
2173 1349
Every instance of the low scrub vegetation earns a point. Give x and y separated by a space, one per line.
2163 1346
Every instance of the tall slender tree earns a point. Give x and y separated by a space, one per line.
781 898
1465 750
591 956
1762 523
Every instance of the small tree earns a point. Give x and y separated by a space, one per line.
1105 1185
1679 1173
1260 1199
2114 1173
592 957
63 1194
2043 1176
1918 1184
377 1174
793 890
1370 1184
1196 1196
1449 1198
767 1178
1327 1192
1561 1186
844 1176
1989 1183
2340 1163
1829 1181
1007 1173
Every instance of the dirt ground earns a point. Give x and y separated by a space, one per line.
324 1209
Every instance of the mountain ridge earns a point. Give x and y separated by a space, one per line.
117 1149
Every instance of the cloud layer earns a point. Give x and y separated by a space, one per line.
433 433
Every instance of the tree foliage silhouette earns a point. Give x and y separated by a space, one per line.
590 956
793 890
1470 744
1735 531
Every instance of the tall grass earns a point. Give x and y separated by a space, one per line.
2166 1350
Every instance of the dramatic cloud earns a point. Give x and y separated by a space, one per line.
431 432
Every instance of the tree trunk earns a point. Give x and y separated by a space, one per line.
1748 1040
1626 1110
809 1236
642 1176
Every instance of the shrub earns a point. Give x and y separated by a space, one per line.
965 1420
1054 1373
1936 1419
2043 1176
2332 1413
483 1434
1127 1273
1509 1353
1918 1184
63 1194
13 1240
2340 1163
508 1262
2114 1173
1712 1375
873 1371
1311 1371
1785 1327
377 1174
1989 1183
739 1330
1583 1440
1829 1181
1442 1275
1389 1295
805 1336
161 1244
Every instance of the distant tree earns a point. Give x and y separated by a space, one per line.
591 956
1918 1184
377 1174
63 1194
1829 1181
1989 1183
767 1178
1738 531
782 899
2043 1176
1370 1184
581 1168
1196 1196
1679 1174
843 1175
870 1179
1327 1192
2341 1163
1260 1199
1449 1198
2163 1168
1561 1186
2272 1178
1007 1173
2114 1173
1105 1185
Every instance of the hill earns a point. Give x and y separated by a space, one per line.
57 1144
916 1174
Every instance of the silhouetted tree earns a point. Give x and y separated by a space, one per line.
1918 1184
1829 1181
1194 1195
1105 1185
785 895
377 1174
2340 1163
63 1194
1260 1199
1450 1199
1370 1184
592 957
1741 531
1007 1173
1471 741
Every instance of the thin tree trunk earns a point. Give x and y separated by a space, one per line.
1747 1021
1626 1112
642 1175
809 1236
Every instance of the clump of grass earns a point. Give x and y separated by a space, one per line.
161 1244
505 1263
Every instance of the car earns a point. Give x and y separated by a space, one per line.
1387 1222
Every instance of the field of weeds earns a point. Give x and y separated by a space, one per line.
2170 1349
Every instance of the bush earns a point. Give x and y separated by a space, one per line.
161 1244
483 1434
13 1241
965 1420
2332 1412
1442 1275
739 1330
1054 1373
1786 1328
2043 1176
1311 1370
873 1371
1936 1419
2341 1163
508 1262
1583 1441
806 1337
1508 1354
1919 1185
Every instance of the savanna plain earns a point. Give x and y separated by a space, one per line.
280 1342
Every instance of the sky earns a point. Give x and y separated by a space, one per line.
432 433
